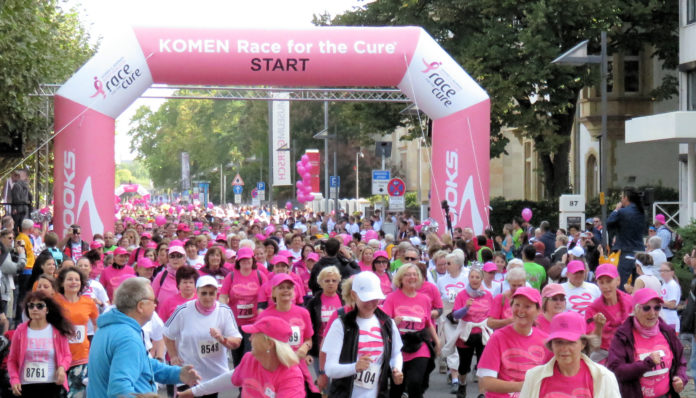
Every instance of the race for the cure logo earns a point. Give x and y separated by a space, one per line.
443 86
119 77
86 196
453 197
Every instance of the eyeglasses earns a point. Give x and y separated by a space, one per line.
410 258
381 262
176 255
38 306
154 300
203 294
656 307
558 298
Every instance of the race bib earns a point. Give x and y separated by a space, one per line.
245 311
296 337
208 348
660 368
368 378
36 372
410 324
79 336
452 294
269 393
326 315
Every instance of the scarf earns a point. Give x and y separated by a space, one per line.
646 332
474 293
203 310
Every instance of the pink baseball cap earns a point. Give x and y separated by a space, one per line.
575 266
245 252
607 270
313 257
552 289
95 244
286 253
272 326
279 259
229 253
176 242
176 249
145 262
568 326
221 238
151 245
489 267
528 292
660 218
146 235
280 278
380 253
642 296
119 251
371 234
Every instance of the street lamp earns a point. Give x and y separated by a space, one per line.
578 56
358 155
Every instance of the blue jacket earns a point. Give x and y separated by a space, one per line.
629 224
118 362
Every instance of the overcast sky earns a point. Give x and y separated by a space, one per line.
101 17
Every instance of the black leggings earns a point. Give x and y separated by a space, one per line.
474 344
185 387
416 379
244 347
44 390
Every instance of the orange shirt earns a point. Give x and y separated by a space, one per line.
79 313
28 248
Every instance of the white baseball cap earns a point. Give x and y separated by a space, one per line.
206 280
366 284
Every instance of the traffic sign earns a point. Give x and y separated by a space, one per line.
335 181
261 186
396 187
254 193
380 179
237 198
397 203
256 202
237 189
237 180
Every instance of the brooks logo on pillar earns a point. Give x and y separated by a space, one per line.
453 197
86 196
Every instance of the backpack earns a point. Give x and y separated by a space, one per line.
676 243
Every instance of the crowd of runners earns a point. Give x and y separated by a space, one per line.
290 303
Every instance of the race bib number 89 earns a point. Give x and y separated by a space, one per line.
296 337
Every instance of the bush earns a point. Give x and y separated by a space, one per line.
503 212
683 272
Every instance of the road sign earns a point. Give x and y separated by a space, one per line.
254 193
256 202
397 203
380 179
237 198
261 186
237 189
396 187
237 180
334 186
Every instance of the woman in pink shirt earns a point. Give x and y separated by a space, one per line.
609 311
411 312
380 263
164 284
269 370
40 353
366 257
186 278
553 303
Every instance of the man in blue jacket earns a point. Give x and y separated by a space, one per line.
118 362
628 222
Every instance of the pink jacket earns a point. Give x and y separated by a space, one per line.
18 350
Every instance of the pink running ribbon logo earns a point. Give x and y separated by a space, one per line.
430 66
99 86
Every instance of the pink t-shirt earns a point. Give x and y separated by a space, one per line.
97 270
299 320
333 317
543 324
478 311
430 290
511 355
265 293
329 305
243 292
501 309
166 309
257 382
616 315
385 283
112 277
559 386
655 382
364 267
164 290
415 312
300 269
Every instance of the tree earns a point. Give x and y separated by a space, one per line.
507 46
39 43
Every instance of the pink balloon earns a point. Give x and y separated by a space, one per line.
306 175
161 220
301 170
288 205
304 159
526 214
299 184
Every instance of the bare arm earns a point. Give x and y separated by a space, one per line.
491 384
173 351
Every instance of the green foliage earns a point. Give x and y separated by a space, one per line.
685 275
505 210
132 172
39 43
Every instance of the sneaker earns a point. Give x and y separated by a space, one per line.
449 378
455 388
443 368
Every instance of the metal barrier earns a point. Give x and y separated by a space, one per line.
670 211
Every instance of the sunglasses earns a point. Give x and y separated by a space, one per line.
203 294
656 307
176 255
381 262
38 306
410 258
558 298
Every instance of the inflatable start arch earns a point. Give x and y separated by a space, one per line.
406 57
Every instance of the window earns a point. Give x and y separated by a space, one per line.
690 11
691 90
631 74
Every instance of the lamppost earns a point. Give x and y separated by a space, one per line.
358 155
578 56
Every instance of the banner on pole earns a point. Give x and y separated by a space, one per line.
282 170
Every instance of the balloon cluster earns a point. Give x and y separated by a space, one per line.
304 187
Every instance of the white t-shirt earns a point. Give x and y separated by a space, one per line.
449 287
153 330
658 257
671 291
40 357
495 289
95 290
578 298
191 331
369 335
